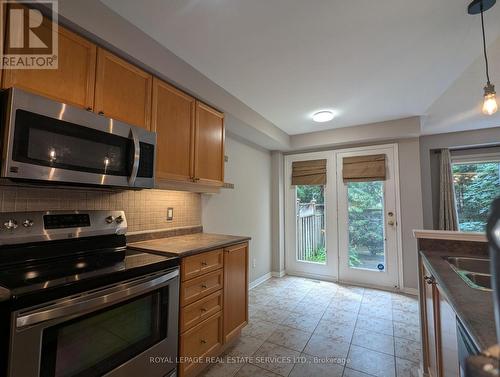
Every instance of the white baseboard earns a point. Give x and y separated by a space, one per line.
278 274
259 280
410 291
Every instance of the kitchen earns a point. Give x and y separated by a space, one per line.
162 216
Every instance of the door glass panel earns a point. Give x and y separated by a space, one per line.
310 217
366 225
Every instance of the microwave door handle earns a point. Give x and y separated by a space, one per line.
137 154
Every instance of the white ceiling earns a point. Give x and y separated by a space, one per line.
368 60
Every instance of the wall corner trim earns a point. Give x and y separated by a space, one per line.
259 281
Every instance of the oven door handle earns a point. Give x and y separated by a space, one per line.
95 300
137 155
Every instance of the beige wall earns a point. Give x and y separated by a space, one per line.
246 209
145 209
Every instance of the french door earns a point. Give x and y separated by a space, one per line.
344 231
367 218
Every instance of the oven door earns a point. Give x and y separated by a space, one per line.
114 331
55 142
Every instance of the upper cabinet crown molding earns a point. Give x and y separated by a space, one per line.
74 79
122 91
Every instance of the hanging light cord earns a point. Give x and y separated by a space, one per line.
484 47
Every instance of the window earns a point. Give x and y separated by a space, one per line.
477 184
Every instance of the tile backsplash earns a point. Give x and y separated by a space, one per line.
144 209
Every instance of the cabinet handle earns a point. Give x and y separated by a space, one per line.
204 286
203 341
101 113
430 280
88 108
203 263
203 310
196 179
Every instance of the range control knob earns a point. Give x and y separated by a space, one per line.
10 224
119 219
28 223
110 219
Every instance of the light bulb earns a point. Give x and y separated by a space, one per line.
490 105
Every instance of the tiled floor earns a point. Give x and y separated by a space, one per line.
306 328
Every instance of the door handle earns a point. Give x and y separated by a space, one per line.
137 155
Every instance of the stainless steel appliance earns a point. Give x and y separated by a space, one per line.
75 301
56 142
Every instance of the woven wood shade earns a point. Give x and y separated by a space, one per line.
312 172
364 168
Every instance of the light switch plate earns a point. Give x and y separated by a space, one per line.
170 214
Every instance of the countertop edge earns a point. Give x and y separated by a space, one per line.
450 235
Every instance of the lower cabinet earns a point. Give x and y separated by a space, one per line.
439 329
213 304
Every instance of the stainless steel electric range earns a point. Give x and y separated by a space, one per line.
75 301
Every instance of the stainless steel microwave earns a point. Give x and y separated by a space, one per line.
45 140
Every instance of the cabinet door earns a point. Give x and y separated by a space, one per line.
209 145
122 91
173 121
72 82
448 337
431 296
235 290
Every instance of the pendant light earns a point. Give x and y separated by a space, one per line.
490 105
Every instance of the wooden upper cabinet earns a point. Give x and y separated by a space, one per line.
209 145
173 121
122 91
72 82
235 290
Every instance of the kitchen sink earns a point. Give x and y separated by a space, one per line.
479 265
480 281
474 271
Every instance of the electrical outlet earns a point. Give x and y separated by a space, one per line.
170 214
254 263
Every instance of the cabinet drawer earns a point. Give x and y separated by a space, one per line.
200 264
200 310
203 340
201 286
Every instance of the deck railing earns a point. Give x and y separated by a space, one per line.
310 230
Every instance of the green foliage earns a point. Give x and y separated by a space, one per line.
319 255
476 186
307 193
354 260
366 216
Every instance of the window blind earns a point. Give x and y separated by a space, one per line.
312 172
364 168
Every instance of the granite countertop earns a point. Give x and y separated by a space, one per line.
473 307
189 244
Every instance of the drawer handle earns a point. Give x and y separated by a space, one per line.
203 263
203 285
430 280
203 310
203 341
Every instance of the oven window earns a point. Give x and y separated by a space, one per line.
99 342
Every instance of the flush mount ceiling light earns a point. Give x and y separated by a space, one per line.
323 116
490 105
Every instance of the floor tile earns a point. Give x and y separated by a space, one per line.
374 341
345 304
413 318
408 349
324 347
404 330
301 322
245 346
371 310
259 329
291 338
354 373
371 362
333 313
275 358
249 370
407 368
379 325
336 330
313 367
222 370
